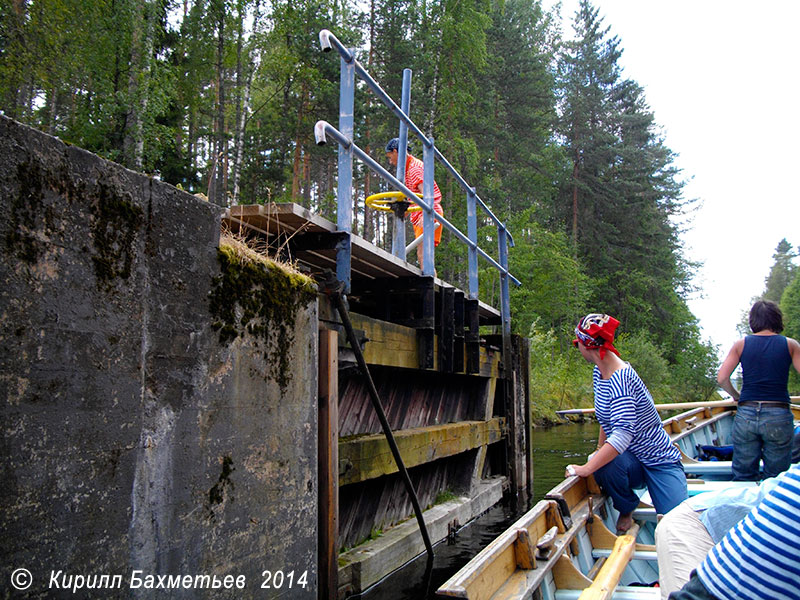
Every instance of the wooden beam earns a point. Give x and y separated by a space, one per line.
427 343
393 345
472 335
524 550
367 457
447 332
458 337
328 454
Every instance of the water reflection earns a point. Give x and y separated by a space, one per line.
554 448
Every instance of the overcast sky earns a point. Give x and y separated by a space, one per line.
721 77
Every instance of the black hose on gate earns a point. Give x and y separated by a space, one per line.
334 292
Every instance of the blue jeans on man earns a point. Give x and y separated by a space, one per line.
761 432
665 482
693 590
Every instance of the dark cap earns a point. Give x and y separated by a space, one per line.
392 144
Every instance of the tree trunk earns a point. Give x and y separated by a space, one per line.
575 209
220 145
244 110
138 76
369 229
436 57
237 138
306 179
298 143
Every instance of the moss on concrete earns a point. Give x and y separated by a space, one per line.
27 209
115 219
115 222
259 298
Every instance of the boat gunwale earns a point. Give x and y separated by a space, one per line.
521 583
458 585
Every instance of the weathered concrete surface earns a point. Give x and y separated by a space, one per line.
132 437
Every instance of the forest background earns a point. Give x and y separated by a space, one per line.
220 97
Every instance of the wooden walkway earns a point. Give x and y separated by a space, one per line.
311 241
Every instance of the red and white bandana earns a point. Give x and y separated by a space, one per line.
596 331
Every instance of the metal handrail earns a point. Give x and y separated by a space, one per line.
327 41
323 127
467 188
344 136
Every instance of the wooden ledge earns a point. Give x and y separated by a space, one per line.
369 456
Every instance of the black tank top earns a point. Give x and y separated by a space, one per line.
765 368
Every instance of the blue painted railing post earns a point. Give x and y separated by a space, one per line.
398 224
344 214
472 234
428 267
505 299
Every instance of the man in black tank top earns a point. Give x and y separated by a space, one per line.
763 427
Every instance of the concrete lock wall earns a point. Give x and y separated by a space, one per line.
146 434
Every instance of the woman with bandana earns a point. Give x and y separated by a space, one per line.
633 450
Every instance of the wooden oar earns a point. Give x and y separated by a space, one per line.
674 406
668 406
607 579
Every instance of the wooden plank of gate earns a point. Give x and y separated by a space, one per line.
328 426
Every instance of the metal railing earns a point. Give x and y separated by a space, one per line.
348 149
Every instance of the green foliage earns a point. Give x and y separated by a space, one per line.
560 377
555 140
444 496
782 272
646 357
554 290
790 307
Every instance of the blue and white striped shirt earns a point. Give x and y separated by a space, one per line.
760 557
627 414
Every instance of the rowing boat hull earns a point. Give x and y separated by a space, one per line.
584 558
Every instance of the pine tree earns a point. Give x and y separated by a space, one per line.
623 191
781 273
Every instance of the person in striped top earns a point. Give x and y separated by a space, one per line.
634 451
415 170
760 556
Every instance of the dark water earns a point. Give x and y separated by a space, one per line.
554 448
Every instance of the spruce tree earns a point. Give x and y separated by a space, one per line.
781 273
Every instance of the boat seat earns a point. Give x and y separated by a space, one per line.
645 514
637 554
623 592
701 486
711 467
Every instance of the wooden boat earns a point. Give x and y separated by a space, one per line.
564 548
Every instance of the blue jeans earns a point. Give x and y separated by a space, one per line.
666 483
693 590
761 433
